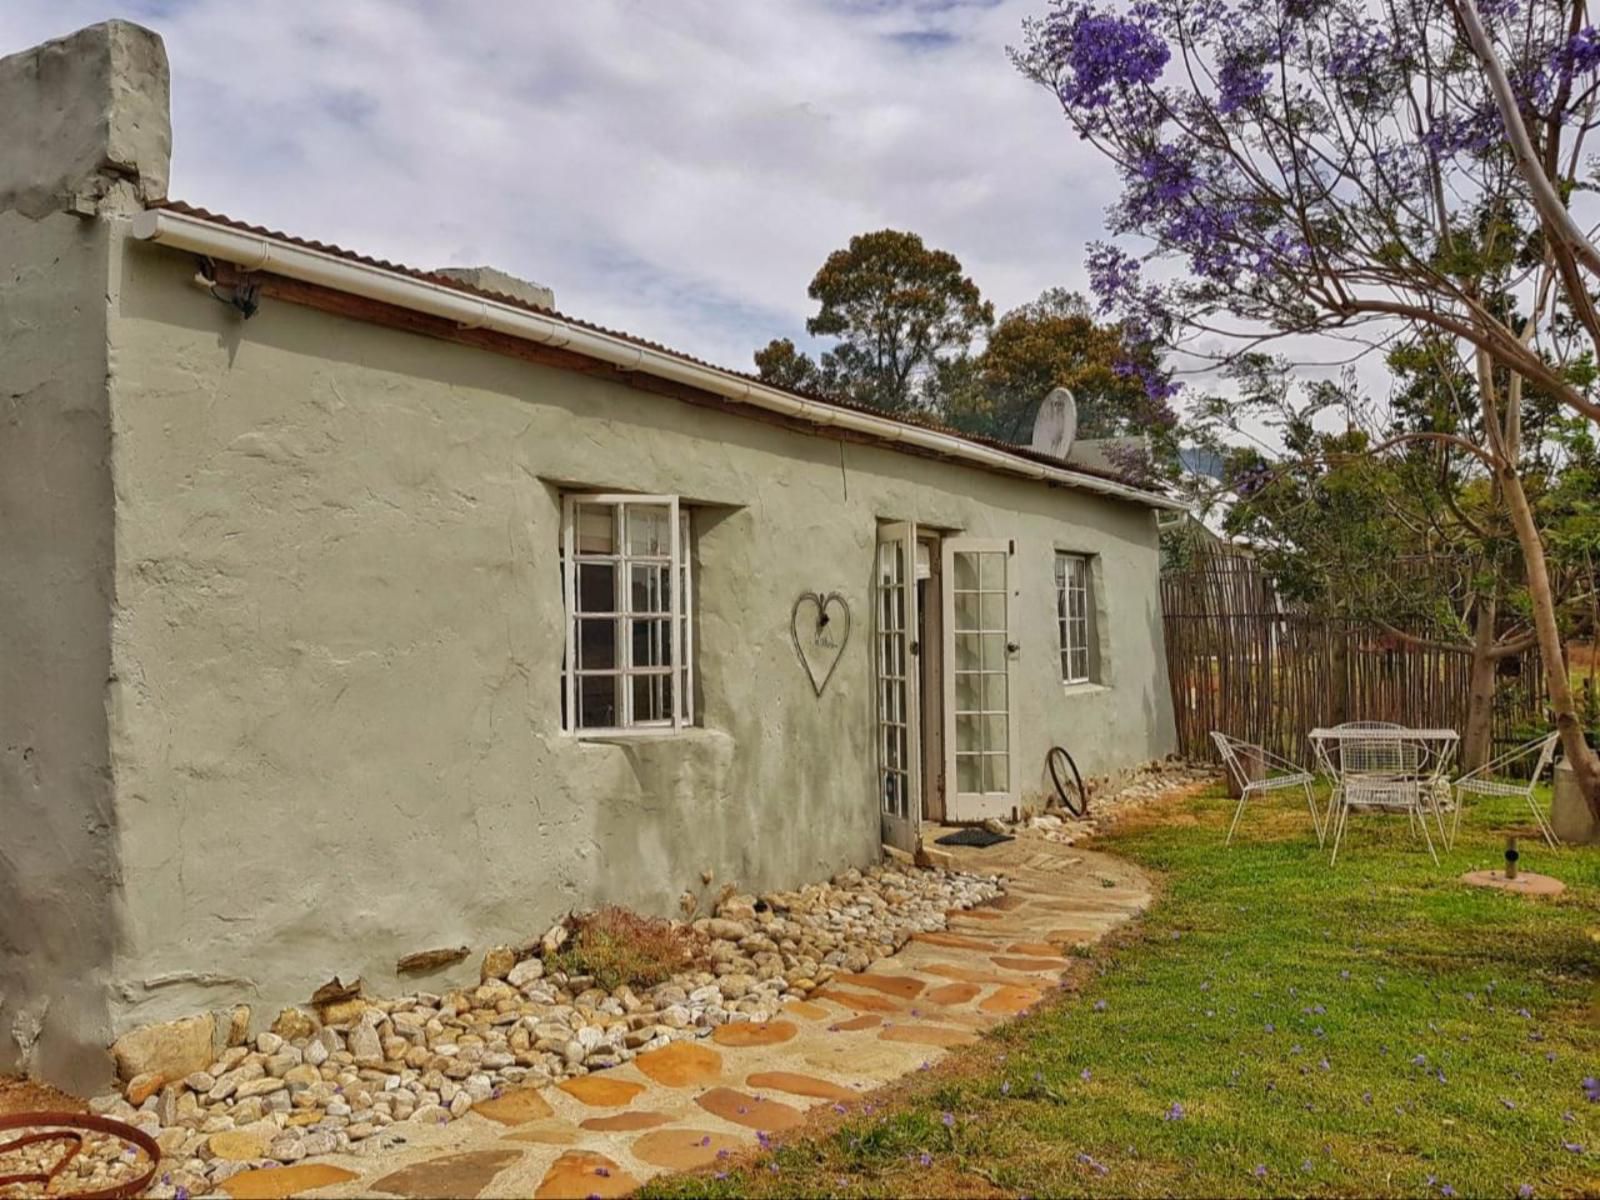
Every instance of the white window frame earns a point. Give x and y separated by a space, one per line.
1074 577
680 611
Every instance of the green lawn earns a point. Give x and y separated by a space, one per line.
1274 1027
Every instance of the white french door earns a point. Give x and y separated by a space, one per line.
894 631
978 584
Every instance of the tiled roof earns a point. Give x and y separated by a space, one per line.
445 281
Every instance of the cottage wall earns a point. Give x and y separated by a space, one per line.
338 638
58 875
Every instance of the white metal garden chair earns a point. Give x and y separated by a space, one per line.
1379 773
1277 774
1491 779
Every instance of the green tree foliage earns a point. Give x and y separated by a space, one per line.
902 313
1056 342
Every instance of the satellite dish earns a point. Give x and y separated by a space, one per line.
1056 425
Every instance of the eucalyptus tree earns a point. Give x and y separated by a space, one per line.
1353 171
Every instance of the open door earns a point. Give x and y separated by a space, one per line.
899 747
979 580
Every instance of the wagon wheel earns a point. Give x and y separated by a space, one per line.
1075 799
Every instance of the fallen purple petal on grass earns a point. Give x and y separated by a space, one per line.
926 1159
1572 1147
1260 1172
1084 1075
603 1172
1099 1006
1306 1166
1366 1097
1271 1028
1507 1102
1005 1088
1175 1113
1527 1016
1325 1065
1446 1190
948 1120
1525 1191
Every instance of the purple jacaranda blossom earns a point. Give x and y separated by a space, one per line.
180 1193
1085 1076
1240 80
1005 1088
763 1140
1100 1006
1306 1166
1175 1113
1524 1014
1507 1103
1325 1065
1104 54
1366 1098
773 1167
926 1159
1572 1147
1344 974
603 1172
1260 1171
1420 1060
1525 1191
1446 1190
948 1120
705 1141
1591 1089
1271 1028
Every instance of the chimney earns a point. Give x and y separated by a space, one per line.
488 279
84 123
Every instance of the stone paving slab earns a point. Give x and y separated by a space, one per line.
693 1104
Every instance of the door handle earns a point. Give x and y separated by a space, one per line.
916 648
1013 647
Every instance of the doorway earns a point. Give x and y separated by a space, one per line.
930 662
943 647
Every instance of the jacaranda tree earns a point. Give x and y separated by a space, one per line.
1356 171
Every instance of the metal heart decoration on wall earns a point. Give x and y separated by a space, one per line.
820 627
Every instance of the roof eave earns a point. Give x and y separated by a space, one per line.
250 250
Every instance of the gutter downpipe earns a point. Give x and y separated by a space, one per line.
254 252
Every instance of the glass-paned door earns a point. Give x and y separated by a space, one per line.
894 626
978 586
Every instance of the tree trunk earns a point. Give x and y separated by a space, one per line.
1478 735
1585 764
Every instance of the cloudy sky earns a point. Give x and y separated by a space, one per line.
676 168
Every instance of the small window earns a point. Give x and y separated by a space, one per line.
1072 612
626 581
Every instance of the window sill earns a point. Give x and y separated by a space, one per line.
634 737
1087 688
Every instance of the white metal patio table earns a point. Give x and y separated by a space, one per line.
1376 765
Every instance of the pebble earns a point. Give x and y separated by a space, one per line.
428 1058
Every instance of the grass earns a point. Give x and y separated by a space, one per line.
1272 1027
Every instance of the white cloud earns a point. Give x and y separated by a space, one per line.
678 170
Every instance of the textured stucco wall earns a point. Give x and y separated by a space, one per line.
339 637
85 121
58 876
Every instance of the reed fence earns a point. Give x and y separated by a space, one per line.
1242 661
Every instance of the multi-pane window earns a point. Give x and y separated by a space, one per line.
625 569
1072 613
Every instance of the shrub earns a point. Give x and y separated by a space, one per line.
619 947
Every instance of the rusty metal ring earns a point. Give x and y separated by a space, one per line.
67 1124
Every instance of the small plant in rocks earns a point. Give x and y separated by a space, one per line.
615 947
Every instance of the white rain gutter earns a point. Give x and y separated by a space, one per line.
255 252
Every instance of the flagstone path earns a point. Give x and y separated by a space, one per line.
692 1104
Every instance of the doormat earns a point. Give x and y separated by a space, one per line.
973 837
